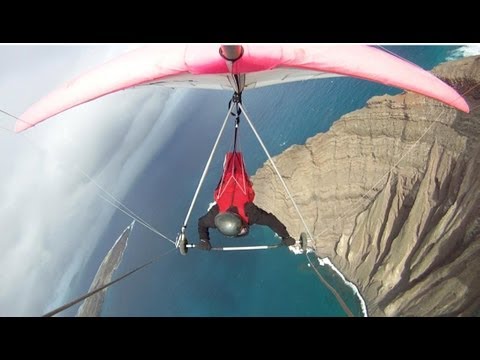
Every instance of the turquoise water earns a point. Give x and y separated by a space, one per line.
260 283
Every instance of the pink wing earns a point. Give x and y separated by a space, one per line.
201 66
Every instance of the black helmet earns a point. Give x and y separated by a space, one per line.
228 223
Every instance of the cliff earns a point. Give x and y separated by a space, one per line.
391 194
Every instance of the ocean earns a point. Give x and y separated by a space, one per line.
217 284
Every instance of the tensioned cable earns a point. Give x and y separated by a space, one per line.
334 292
357 204
364 196
116 203
93 292
397 56
276 170
148 226
205 170
342 303
128 212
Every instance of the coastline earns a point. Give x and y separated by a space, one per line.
326 262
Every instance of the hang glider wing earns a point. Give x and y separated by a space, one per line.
202 66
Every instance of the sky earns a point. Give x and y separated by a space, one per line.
52 216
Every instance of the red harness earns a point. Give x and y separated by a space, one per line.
235 187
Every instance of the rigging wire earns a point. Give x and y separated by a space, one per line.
111 199
121 207
93 292
276 170
342 303
397 56
357 204
322 279
205 170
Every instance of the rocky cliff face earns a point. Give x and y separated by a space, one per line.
391 194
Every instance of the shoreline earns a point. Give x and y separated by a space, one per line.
326 262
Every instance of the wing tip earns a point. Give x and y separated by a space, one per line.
21 126
462 105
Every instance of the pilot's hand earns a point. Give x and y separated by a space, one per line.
204 245
288 241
